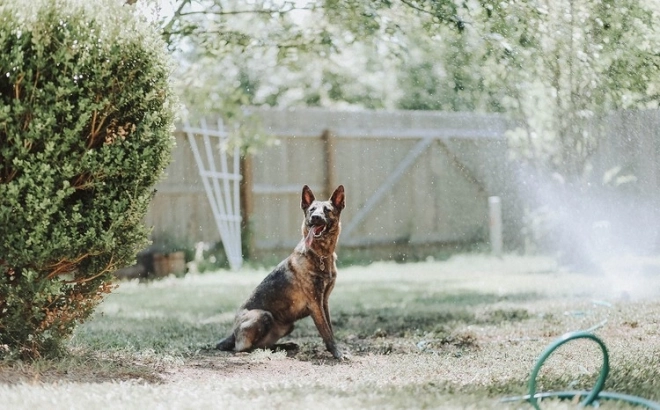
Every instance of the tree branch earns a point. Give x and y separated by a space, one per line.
167 28
453 19
233 12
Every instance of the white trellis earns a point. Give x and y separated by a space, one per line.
210 148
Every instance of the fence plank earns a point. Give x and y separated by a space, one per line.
387 185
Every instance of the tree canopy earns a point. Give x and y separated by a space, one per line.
553 66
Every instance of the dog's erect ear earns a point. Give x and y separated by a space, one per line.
338 198
307 198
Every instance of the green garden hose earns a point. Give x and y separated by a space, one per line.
591 396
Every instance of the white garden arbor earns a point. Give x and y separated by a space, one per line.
219 170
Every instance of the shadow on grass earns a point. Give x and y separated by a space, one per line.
367 329
112 347
471 299
424 314
160 335
79 367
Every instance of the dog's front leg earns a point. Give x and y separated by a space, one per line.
320 320
326 311
326 308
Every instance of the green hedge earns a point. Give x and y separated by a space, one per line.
86 114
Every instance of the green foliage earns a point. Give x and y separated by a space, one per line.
86 116
555 67
564 65
281 54
441 73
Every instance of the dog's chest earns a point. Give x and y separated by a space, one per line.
318 279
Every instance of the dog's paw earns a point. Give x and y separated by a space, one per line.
341 355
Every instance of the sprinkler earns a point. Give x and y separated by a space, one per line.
591 397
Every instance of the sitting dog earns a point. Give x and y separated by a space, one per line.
298 287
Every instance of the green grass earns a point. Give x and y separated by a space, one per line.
461 333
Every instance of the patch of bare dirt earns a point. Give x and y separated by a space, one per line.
309 361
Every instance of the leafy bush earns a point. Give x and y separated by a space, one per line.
86 115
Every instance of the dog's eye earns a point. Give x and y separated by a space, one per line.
326 210
312 208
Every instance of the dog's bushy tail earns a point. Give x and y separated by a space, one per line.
227 344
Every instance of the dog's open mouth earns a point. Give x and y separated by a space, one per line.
317 230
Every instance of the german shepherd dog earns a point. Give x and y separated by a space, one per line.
298 287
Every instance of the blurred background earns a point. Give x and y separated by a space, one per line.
423 110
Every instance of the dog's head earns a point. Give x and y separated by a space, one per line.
321 217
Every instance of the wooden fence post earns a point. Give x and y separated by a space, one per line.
330 182
495 217
247 205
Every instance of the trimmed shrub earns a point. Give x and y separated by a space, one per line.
86 114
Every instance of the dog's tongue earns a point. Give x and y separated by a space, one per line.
309 238
313 230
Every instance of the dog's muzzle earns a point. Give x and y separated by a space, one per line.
317 225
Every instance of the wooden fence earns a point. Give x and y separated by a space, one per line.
411 178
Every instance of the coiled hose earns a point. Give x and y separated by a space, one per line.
591 396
